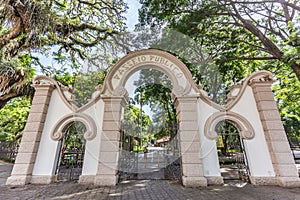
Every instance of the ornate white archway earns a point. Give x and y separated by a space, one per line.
250 105
185 99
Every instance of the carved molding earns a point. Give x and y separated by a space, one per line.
246 130
177 72
62 90
60 128
260 76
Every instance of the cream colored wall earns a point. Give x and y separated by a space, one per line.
211 165
92 148
258 156
46 156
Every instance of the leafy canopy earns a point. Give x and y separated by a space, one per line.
271 26
230 40
71 32
13 118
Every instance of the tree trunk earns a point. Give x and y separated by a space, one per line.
2 103
6 97
296 69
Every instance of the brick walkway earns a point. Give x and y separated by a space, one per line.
142 189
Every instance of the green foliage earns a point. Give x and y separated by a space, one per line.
155 88
73 139
132 122
229 30
72 33
83 84
230 40
13 118
287 93
72 26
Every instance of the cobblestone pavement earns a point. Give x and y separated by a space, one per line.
143 189
146 190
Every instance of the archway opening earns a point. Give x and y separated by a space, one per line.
71 152
149 139
231 153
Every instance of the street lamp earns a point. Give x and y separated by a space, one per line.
141 118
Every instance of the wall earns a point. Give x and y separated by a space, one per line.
92 151
46 157
208 147
258 156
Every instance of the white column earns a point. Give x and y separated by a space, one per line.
23 167
192 169
279 149
110 138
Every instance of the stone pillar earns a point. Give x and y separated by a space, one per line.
280 152
192 169
23 167
110 137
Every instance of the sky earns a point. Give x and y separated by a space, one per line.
132 20
132 13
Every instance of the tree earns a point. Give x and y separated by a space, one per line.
83 84
273 24
15 80
238 37
155 88
287 93
70 30
132 126
13 119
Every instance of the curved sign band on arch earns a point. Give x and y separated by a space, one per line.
176 71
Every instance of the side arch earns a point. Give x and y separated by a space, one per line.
246 130
60 128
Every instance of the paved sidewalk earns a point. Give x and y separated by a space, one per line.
142 189
5 170
146 190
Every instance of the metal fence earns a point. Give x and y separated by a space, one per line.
9 150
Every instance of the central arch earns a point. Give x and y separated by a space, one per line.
177 72
185 100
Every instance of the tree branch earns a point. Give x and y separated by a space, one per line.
244 58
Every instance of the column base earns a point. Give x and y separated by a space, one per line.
18 180
39 180
106 180
214 180
260 180
194 181
288 181
86 179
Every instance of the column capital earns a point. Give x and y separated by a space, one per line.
185 99
115 100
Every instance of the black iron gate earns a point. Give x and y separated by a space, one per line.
242 163
71 153
157 162
128 158
233 160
